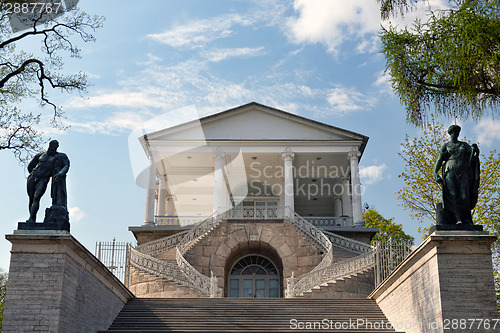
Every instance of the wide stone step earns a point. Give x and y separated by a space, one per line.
250 315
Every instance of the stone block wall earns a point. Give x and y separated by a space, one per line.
142 284
448 277
224 244
56 285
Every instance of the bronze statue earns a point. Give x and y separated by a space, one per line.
50 164
460 179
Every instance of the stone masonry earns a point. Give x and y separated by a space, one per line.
56 285
447 279
222 247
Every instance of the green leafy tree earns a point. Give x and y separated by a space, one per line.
24 75
449 64
387 227
3 290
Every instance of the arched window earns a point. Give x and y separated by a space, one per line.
254 276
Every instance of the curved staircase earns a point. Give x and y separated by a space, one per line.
164 259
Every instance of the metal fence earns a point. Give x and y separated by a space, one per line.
114 256
388 255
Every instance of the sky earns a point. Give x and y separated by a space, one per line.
319 59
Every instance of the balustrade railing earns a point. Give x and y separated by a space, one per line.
254 213
198 231
348 243
178 220
157 267
315 234
296 286
383 256
162 244
329 221
207 285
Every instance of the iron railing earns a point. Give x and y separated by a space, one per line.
161 245
348 244
296 286
389 255
114 256
203 283
315 234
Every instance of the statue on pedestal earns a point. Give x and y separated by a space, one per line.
43 167
459 164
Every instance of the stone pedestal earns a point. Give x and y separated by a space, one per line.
447 280
56 285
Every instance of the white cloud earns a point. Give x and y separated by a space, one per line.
120 99
201 32
222 54
368 45
383 83
372 174
76 214
346 100
487 131
331 22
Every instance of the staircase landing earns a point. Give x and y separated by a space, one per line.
249 315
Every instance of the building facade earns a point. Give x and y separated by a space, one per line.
251 202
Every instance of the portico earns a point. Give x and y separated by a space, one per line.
254 159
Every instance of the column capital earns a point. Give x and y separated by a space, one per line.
218 154
288 155
354 154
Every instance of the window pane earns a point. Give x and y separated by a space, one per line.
248 288
234 288
274 288
260 288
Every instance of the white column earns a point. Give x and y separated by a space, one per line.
346 197
357 210
149 217
218 181
338 207
162 197
288 183
170 205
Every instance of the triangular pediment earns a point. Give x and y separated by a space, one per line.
256 122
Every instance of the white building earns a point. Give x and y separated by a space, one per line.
250 167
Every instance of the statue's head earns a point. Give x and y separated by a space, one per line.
53 145
454 129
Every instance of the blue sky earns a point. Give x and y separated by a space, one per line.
318 59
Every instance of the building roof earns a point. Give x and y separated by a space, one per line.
225 126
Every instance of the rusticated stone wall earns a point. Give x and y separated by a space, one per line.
448 279
56 285
280 241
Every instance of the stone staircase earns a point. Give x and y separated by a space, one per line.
249 315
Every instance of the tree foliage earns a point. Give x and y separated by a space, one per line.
24 75
449 64
3 291
421 193
387 227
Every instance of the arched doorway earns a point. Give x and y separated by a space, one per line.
254 276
